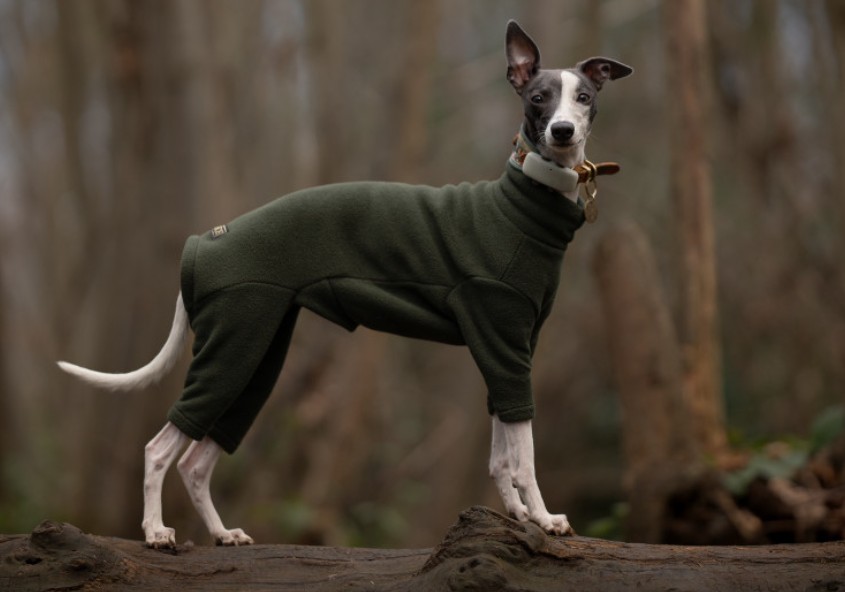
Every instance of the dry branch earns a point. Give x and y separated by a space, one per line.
482 551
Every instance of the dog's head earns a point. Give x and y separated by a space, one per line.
559 105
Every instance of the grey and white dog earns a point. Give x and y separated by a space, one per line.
559 107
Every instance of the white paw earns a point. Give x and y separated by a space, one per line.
161 538
553 523
233 538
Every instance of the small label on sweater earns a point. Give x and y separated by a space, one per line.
219 231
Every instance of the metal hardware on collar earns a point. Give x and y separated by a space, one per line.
590 191
562 179
592 171
585 172
591 208
589 171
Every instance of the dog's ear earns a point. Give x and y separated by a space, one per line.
523 56
600 70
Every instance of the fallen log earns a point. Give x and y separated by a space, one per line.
482 551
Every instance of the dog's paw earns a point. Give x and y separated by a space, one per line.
161 538
553 523
233 538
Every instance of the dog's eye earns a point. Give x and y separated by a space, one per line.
584 99
537 99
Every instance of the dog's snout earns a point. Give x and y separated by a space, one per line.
562 131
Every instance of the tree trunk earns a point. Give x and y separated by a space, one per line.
836 18
343 410
326 29
482 551
415 90
164 167
688 67
5 403
647 372
835 14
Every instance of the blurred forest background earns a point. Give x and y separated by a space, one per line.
127 125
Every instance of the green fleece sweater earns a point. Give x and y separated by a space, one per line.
475 264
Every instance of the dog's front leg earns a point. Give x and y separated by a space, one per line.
501 474
520 453
196 467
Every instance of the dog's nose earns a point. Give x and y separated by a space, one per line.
563 131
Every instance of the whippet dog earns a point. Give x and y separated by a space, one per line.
472 264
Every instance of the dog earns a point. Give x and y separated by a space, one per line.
471 264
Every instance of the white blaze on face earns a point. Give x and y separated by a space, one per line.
569 109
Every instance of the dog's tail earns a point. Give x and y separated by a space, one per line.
149 374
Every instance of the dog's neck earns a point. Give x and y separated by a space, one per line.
527 158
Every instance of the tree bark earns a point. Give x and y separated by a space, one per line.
415 90
688 68
325 42
482 551
341 416
647 372
835 16
6 425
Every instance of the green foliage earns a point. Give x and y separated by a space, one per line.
610 527
374 525
770 460
827 427
789 456
762 465
367 524
19 512
292 517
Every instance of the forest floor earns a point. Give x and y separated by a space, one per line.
780 493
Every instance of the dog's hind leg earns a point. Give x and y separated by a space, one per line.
196 467
159 454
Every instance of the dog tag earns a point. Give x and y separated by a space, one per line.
591 210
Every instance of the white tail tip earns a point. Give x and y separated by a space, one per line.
149 374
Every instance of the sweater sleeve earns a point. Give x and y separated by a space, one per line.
497 323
